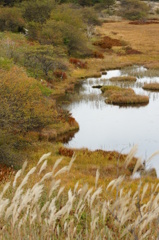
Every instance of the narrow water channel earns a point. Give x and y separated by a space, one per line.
109 127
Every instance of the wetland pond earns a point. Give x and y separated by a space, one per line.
109 127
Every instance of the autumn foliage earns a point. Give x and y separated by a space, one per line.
108 42
60 74
23 105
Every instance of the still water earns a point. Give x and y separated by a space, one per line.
109 127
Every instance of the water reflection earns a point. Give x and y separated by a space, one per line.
110 127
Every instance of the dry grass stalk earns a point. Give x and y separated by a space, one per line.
82 213
130 156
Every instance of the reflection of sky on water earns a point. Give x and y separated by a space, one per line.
108 127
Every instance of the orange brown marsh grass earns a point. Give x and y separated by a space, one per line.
108 42
123 96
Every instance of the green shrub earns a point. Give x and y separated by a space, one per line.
37 11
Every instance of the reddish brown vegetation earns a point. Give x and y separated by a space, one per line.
60 74
5 172
72 121
78 63
66 152
108 42
98 55
129 50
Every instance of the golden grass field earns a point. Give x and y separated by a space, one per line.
143 38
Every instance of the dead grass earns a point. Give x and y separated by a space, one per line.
151 86
123 96
124 79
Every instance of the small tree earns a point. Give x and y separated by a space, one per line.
43 58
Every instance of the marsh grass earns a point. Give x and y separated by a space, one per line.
123 96
43 209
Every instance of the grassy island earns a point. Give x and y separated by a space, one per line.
124 79
151 87
123 96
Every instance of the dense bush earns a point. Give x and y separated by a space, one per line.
66 28
11 20
37 11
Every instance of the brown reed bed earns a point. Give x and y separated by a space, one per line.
151 86
123 96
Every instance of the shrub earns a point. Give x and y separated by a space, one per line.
42 60
37 11
11 20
